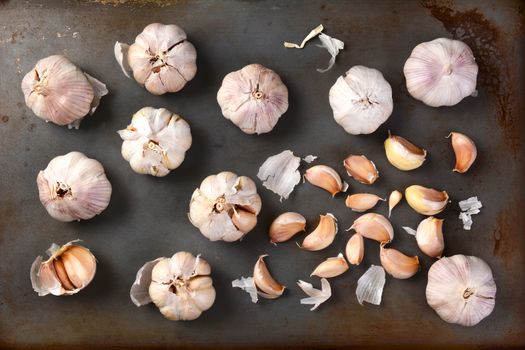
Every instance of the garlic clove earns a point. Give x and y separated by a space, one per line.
265 282
285 226
331 267
429 237
403 154
426 201
361 168
244 220
362 201
355 249
374 226
397 264
326 178
393 200
465 151
323 235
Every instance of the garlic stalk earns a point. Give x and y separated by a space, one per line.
361 169
268 286
331 267
279 173
315 296
465 151
397 264
323 235
403 154
355 249
370 285
393 200
313 33
426 201
429 237
362 201
285 226
326 178
374 226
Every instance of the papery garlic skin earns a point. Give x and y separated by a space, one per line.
370 285
315 296
461 289
397 264
323 235
326 178
361 100
216 205
403 154
285 226
156 141
253 98
73 187
355 249
441 72
270 288
361 169
279 173
426 201
374 226
465 151
360 202
429 237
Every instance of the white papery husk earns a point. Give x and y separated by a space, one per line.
333 46
316 296
409 230
370 285
248 285
279 173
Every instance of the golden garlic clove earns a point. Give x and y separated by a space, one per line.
271 289
429 237
393 200
362 201
244 220
285 226
397 264
323 235
361 168
426 201
331 267
355 249
327 178
403 154
374 226
465 151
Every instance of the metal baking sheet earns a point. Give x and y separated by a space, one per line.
147 216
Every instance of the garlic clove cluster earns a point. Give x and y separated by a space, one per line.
326 178
361 168
465 151
285 226
73 187
323 235
374 226
403 154
253 98
426 201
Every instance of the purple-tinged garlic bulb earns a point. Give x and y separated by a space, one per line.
156 141
58 91
253 98
73 187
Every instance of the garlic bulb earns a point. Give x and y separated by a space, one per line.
465 151
58 91
73 187
429 237
361 100
156 141
161 59
441 72
285 226
461 289
361 168
403 154
426 201
253 98
68 270
225 206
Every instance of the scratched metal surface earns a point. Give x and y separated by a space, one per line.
147 216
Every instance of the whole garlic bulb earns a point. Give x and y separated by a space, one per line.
361 100
58 91
156 141
73 187
225 206
461 289
253 98
441 72
179 286
68 270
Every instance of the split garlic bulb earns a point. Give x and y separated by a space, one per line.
73 187
180 286
461 289
441 72
361 100
58 91
156 141
225 206
253 98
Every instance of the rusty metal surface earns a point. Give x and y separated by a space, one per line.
147 216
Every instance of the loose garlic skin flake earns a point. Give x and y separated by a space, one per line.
73 187
225 206
156 141
361 100
253 98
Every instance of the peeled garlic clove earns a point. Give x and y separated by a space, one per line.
393 200
285 226
361 168
327 178
397 264
315 296
465 151
441 72
429 236
331 267
355 249
370 285
361 100
374 226
253 98
265 282
461 289
323 235
403 154
362 201
426 201
73 187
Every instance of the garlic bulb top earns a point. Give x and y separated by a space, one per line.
156 141
73 187
361 100
58 91
225 206
461 289
253 98
441 72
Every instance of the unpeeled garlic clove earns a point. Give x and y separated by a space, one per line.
361 168
426 201
271 289
403 154
331 267
285 226
362 201
355 249
393 200
244 220
429 237
323 235
327 178
465 151
374 226
397 264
